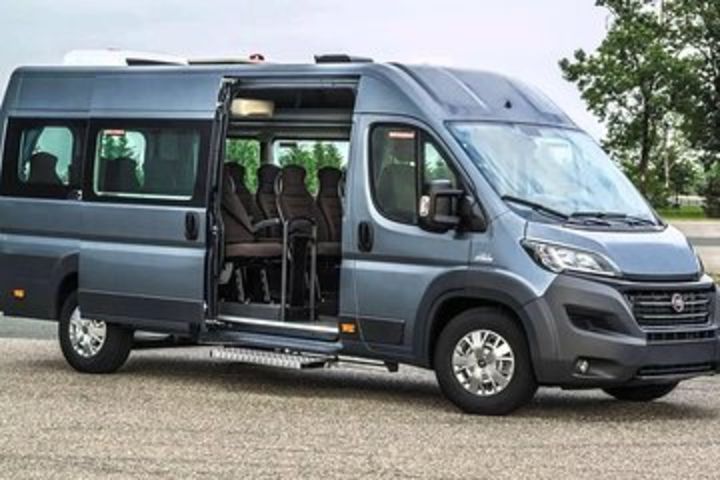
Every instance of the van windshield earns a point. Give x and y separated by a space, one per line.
556 170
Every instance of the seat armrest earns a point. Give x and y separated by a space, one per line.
265 224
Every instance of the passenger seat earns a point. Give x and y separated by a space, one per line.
121 176
265 196
43 169
242 247
237 173
329 202
295 201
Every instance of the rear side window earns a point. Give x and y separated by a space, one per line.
42 159
147 163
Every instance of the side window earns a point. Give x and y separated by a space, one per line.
42 159
403 163
312 155
148 163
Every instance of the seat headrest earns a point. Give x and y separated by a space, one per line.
266 177
42 169
237 172
121 176
329 179
293 181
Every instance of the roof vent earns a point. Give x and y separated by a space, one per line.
341 58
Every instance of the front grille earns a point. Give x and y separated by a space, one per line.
661 308
687 369
680 336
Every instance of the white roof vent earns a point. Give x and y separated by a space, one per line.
118 58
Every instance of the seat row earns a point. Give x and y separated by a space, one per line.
282 195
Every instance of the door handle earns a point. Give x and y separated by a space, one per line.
192 226
365 236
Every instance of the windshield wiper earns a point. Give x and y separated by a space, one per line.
613 216
535 206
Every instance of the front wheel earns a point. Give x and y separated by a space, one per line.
91 346
641 393
482 363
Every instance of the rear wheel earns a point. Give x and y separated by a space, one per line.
641 393
91 346
482 363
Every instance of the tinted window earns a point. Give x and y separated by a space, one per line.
401 160
160 163
42 158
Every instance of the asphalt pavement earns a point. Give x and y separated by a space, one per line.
179 414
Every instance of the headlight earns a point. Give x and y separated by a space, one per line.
558 258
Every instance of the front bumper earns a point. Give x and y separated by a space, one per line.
593 320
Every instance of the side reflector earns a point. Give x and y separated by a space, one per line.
18 293
348 328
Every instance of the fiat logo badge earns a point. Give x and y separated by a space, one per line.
678 302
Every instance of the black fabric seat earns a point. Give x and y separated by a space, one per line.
121 176
240 233
329 203
237 173
43 169
265 196
294 201
396 193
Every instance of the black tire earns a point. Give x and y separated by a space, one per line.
641 393
522 384
111 356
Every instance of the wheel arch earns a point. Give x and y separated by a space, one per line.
456 292
67 282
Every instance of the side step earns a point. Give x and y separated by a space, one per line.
295 360
271 359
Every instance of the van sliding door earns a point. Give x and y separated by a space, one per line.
143 260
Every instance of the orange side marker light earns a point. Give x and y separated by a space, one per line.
18 293
348 328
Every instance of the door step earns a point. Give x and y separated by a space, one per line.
297 361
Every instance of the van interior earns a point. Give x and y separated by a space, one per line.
282 201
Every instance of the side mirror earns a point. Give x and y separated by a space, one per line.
440 207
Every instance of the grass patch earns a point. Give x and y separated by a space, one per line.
683 213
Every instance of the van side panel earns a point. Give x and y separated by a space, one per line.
38 249
136 267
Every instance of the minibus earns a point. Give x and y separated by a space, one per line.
342 212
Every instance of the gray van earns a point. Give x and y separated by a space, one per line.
450 219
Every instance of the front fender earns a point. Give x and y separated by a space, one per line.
493 287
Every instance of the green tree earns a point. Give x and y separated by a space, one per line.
695 32
247 153
300 154
331 156
627 83
312 158
113 147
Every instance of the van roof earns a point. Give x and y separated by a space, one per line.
191 91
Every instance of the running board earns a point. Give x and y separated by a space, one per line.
295 360
267 358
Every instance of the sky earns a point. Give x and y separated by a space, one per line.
520 38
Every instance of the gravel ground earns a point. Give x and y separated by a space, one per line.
178 414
